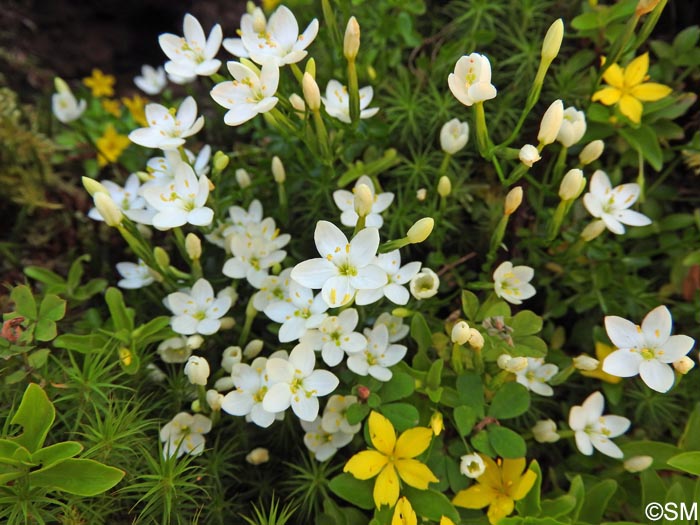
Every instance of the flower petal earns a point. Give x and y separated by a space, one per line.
413 442
328 237
623 333
583 443
650 91
415 473
501 507
636 70
475 497
614 76
676 347
608 96
617 425
382 433
657 375
631 108
365 464
656 326
363 247
314 273
607 447
386 488
623 363
523 485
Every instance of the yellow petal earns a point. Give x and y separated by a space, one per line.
366 464
650 91
446 521
413 442
608 96
631 108
524 485
601 352
613 76
511 470
404 513
386 488
415 473
475 497
382 433
637 70
500 508
492 475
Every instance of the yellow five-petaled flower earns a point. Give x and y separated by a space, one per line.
498 488
100 84
110 146
626 87
393 458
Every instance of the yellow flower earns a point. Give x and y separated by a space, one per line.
112 107
446 521
136 106
110 146
499 487
392 456
100 84
601 352
628 89
437 423
404 513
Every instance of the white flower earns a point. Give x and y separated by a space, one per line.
258 456
272 288
251 93
135 275
345 200
151 81
180 202
185 434
611 204
536 375
320 442
231 357
471 80
545 431
167 131
344 268
648 350
127 199
378 356
472 465
512 364
573 127
335 337
295 383
178 349
298 313
593 429
512 283
252 383
397 277
64 104
197 311
337 101
334 415
197 370
424 284
240 218
528 155
454 136
192 54
277 40
214 400
397 330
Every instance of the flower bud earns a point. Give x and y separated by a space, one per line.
460 333
242 178
444 186
683 365
108 209
195 341
645 6
513 200
454 136
224 384
476 340
437 423
351 42
552 41
592 230
258 456
221 161
511 364
253 348
551 123
363 200
231 356
259 22
421 194
214 400
161 257
638 463
528 155
545 431
421 230
92 186
155 374
363 393
401 313
193 246
572 185
312 95
297 103
573 127
61 86
197 370
424 284
227 323
310 67
196 406
586 363
278 172
591 152
472 466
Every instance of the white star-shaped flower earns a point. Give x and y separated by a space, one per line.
251 93
379 355
471 80
128 199
512 283
611 204
535 376
298 313
197 311
345 200
192 54
151 80
593 429
134 275
185 434
335 337
166 130
323 444
397 277
252 383
337 101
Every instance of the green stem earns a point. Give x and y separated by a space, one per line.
297 73
250 313
353 92
444 165
482 132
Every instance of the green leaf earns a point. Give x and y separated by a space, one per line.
117 309
398 387
561 506
687 462
52 308
38 359
434 377
430 504
661 452
597 499
525 323
82 477
402 415
47 456
577 490
644 140
529 346
465 419
76 272
93 287
506 443
420 332
482 443
45 330
686 40
470 305
155 330
43 275
8 448
471 392
353 490
35 415
530 505
356 413
511 400
691 435
25 304
80 343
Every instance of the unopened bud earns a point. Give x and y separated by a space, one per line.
476 340
572 185
278 172
545 431
454 136
297 103
552 41
195 341
214 400
312 95
591 152
421 230
351 42
363 200
401 312
61 85
586 363
592 230
92 186
460 333
310 67
683 365
528 155
513 200
231 356
437 423
638 463
161 257
645 6
258 456
424 285
253 348
444 186
197 370
363 393
193 246
551 122
108 209
421 194
221 161
242 178
227 323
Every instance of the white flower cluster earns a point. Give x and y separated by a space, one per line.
331 431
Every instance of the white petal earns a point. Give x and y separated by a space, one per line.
676 347
617 425
292 329
577 418
305 408
623 363
397 294
600 185
380 373
593 407
337 291
322 382
278 398
314 273
184 324
607 447
632 218
261 417
358 363
657 326
279 371
583 443
328 237
303 359
208 326
363 247
237 403
623 333
369 278
612 224
658 376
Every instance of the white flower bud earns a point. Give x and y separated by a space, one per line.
551 123
421 230
586 363
92 186
592 230
231 356
278 172
351 42
683 365
363 200
460 333
472 465
227 323
511 364
421 194
573 127
312 95
155 374
591 152
197 370
454 136
194 341
242 178
444 186
108 209
513 200
223 384
424 284
193 246
638 463
297 103
528 155
503 361
572 185
545 431
552 41
253 348
221 161
258 456
476 340
214 400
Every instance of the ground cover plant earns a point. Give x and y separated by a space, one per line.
364 262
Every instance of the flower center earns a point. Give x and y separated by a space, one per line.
647 354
